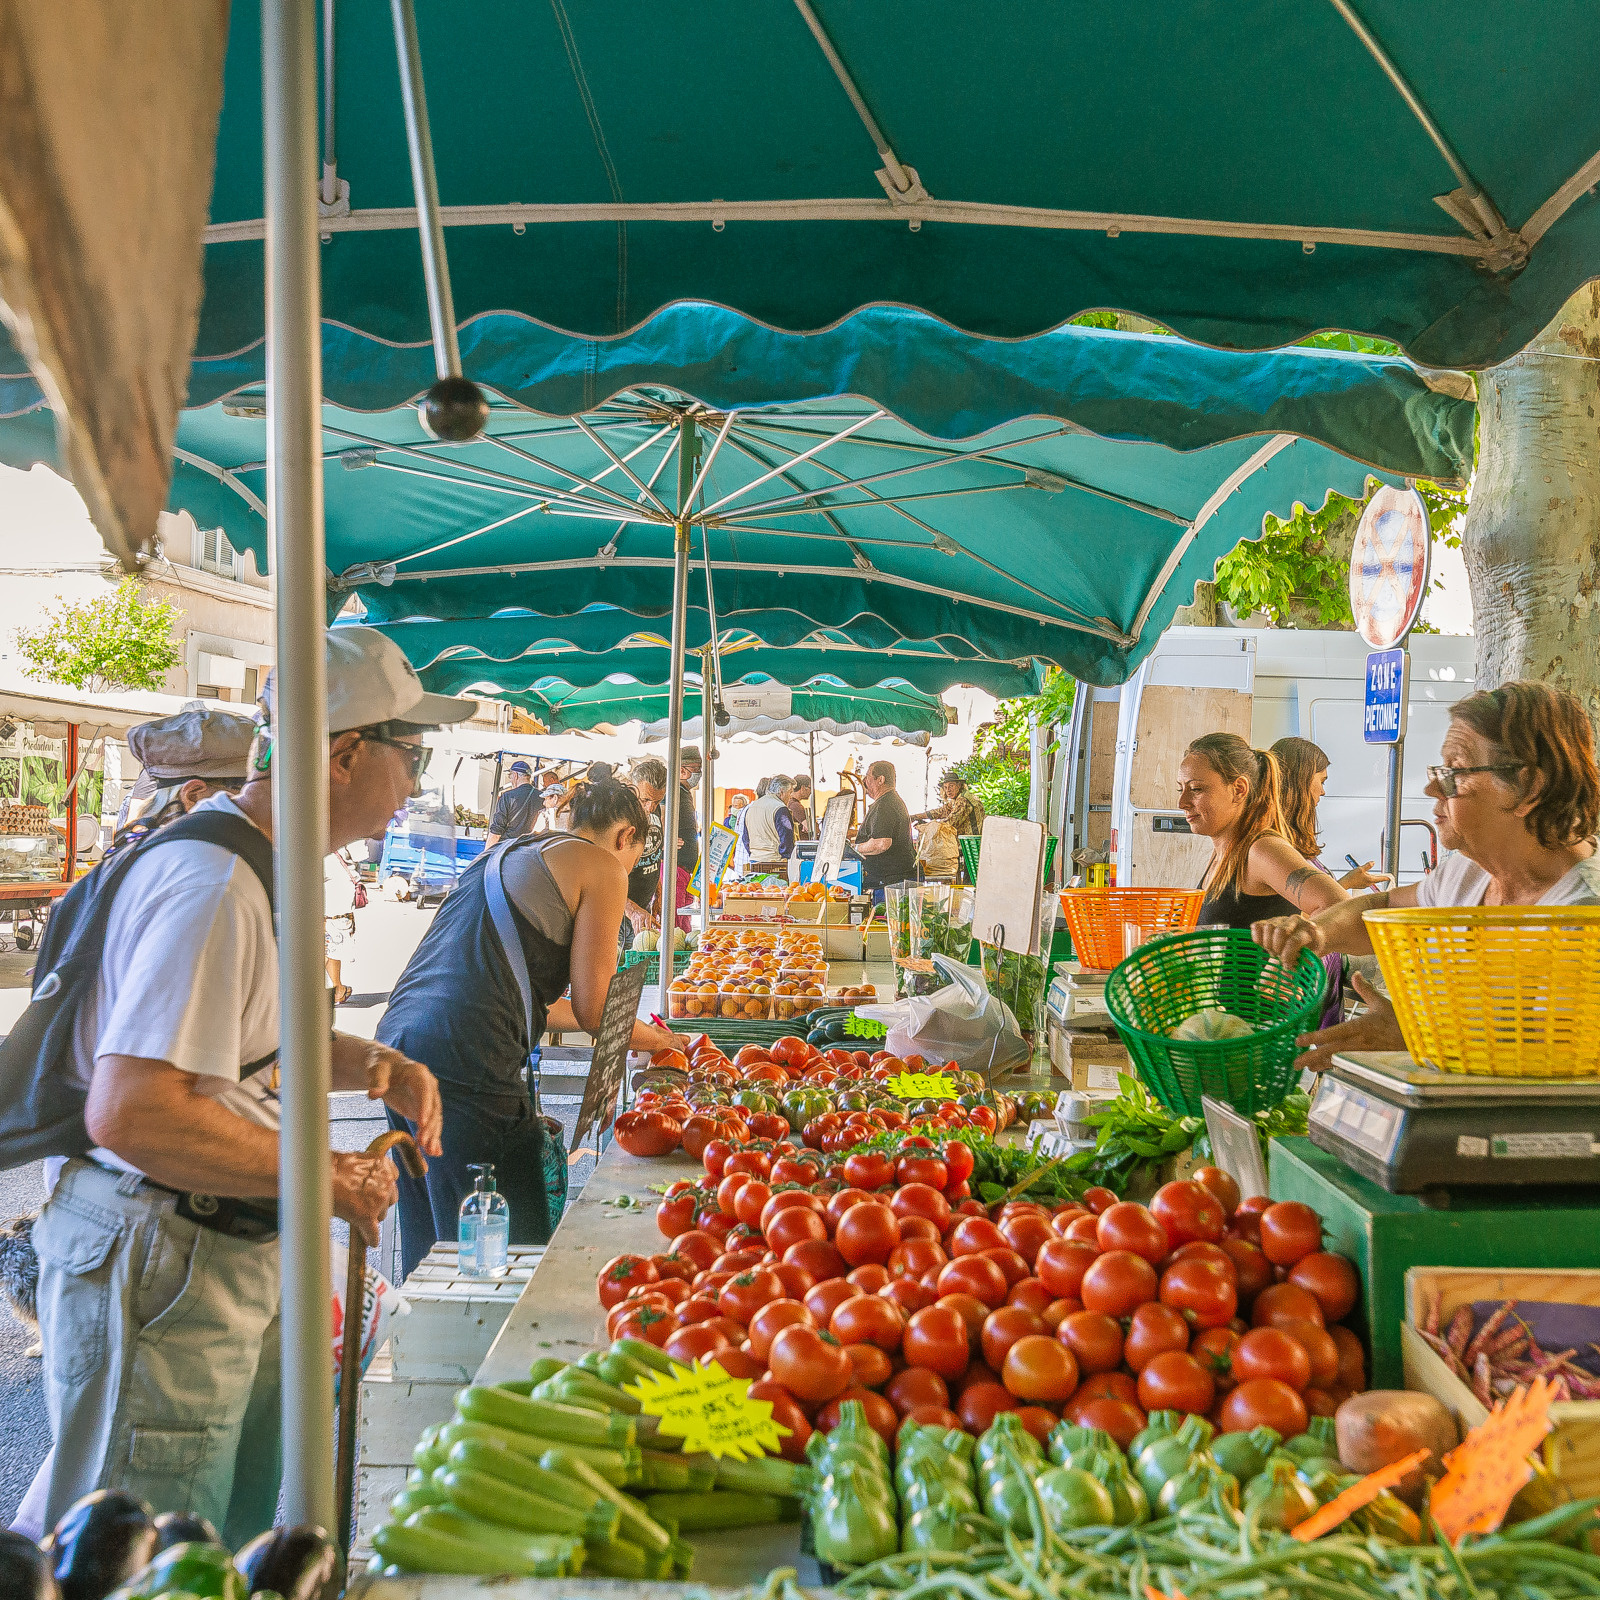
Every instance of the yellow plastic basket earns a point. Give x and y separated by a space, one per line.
1501 991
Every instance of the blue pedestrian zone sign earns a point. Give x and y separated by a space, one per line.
1384 721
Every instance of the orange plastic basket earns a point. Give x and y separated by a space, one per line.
1100 919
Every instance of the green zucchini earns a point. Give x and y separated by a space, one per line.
418 1549
721 1508
615 1466
531 1553
494 1460
492 1499
637 1526
567 1424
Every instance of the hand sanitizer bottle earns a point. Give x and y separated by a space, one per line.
485 1227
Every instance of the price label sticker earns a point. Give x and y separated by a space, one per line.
922 1086
1484 1473
710 1411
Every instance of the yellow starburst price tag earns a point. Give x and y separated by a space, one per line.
922 1086
710 1411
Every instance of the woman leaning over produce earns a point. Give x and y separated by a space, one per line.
1516 802
1230 795
1302 778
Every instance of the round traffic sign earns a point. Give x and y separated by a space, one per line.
1389 566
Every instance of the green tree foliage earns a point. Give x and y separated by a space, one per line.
997 770
122 640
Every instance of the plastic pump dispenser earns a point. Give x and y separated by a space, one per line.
484 1232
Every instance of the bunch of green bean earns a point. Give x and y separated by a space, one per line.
1209 1553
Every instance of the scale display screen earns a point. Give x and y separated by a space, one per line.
1358 1118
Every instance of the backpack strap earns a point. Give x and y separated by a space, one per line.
505 927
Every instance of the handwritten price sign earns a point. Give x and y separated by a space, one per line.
922 1086
710 1411
1484 1473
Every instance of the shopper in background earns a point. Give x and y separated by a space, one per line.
800 807
736 805
688 817
1516 802
185 759
961 809
766 828
649 782
518 805
884 839
1302 778
459 1007
158 1252
549 818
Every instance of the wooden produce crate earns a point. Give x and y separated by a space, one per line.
1572 1448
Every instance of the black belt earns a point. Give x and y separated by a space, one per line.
255 1220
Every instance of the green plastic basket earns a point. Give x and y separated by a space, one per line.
652 962
1167 980
969 843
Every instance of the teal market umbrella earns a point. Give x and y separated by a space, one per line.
1244 174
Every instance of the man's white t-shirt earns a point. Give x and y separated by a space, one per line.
190 975
1459 881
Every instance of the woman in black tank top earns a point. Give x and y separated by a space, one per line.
1229 794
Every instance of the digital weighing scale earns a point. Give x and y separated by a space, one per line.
1410 1128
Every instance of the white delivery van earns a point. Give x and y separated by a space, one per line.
1118 770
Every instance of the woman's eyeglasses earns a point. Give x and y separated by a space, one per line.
1446 777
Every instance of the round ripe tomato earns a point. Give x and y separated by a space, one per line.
841 1202
1285 1302
674 1216
750 1201
687 1345
1122 1419
827 1297
921 1200
1040 1368
908 1294
708 1219
975 1275
796 1281
1289 1231
980 1403
956 1193
740 1259
1117 1282
1201 1290
794 1225
1113 1385
644 1321
920 1228
1062 1264
674 1290
1002 1328
1084 1230
936 1338
754 1163
1094 1339
1252 1270
1153 1330
912 1257
868 1319
771 1319
1213 1349
1221 1184
744 1295
882 1417
621 1275
1129 1226
656 1304
1027 1233
1188 1210
809 1366
1246 1225
1263 1403
1352 1358
672 1265
1038 1420
867 1232
699 1307
1320 1403
784 1200
1058 1311
1272 1353
973 1312
1175 1381
711 1282
966 1207
1319 1347
868 1279
1204 1250
916 1386
1030 1294
868 1169
972 1235
1099 1200
919 1168
958 1163
793 1169
1331 1278
870 1367
739 1362
818 1257
1010 1263
941 1417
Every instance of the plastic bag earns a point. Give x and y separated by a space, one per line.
962 1023
381 1304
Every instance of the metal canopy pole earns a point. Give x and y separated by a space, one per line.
300 742
708 782
680 629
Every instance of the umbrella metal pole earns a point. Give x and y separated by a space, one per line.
811 769
708 783
680 629
300 743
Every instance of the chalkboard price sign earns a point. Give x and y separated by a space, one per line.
610 1058
830 846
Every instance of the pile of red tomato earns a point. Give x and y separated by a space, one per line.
876 1278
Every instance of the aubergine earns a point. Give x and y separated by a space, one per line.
182 1527
299 1563
25 1569
99 1543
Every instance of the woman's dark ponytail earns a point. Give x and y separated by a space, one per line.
598 806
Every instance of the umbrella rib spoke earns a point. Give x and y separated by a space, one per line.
621 465
805 455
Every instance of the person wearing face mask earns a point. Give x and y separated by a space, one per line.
1516 802
459 1004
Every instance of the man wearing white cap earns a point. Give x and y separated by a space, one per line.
158 1252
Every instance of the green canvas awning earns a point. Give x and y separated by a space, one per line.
1245 174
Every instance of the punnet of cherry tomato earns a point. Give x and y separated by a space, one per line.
872 1274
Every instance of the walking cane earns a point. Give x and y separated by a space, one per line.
355 1293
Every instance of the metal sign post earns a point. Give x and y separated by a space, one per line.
1389 564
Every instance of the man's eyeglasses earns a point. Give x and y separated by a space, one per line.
418 754
1446 777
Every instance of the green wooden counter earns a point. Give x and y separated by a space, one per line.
1386 1234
